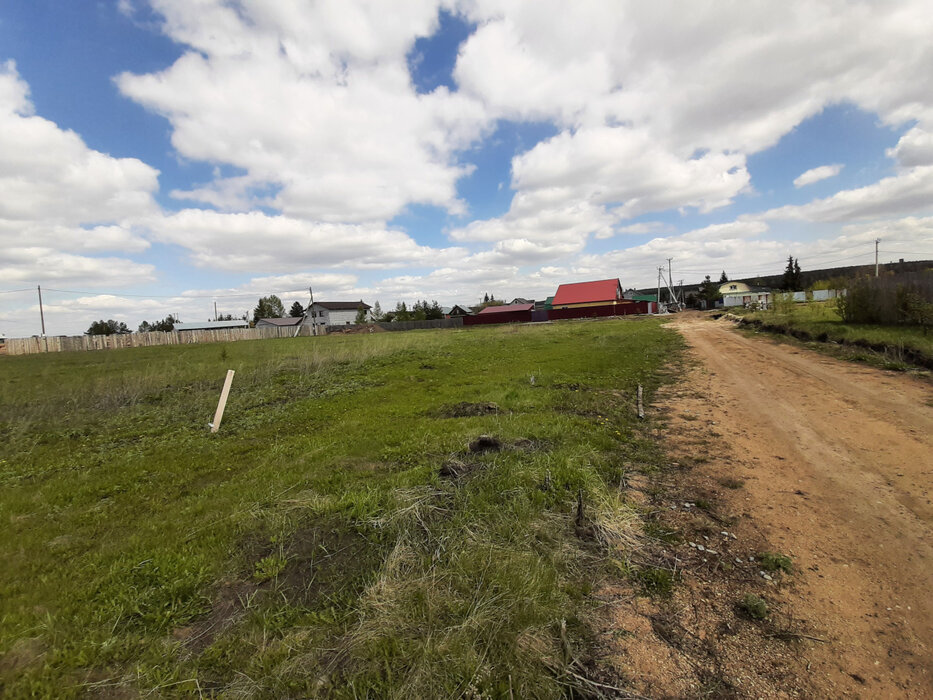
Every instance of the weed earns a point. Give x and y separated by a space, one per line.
655 581
269 567
731 483
772 561
754 607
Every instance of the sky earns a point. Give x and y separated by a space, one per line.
158 156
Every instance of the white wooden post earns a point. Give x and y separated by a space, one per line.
215 426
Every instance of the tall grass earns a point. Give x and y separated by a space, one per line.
312 548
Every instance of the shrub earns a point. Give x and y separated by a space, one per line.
772 561
905 299
754 607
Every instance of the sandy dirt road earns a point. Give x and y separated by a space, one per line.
837 461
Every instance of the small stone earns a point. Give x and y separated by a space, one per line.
703 549
692 544
733 536
738 561
711 551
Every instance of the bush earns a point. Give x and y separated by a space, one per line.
754 607
905 299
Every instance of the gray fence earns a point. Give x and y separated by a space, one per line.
399 325
28 346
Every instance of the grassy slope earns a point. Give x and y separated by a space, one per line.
311 547
820 320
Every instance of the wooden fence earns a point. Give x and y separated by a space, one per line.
28 346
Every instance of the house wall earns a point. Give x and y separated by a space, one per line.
733 288
587 304
326 317
739 299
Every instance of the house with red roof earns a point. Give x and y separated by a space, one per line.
582 294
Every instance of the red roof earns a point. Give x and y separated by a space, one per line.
510 307
583 292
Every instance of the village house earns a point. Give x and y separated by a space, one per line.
583 294
742 294
335 313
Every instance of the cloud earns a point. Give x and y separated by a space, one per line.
25 265
905 193
49 176
63 203
257 242
315 103
914 148
816 174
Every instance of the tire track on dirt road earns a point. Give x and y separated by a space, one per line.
838 467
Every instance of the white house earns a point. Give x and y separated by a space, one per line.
741 294
335 313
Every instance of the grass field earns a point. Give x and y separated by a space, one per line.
336 538
898 345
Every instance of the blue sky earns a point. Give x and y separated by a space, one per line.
158 156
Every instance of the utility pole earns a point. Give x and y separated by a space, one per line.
42 317
670 277
41 313
215 310
877 241
659 290
311 309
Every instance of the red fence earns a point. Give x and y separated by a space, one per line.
620 309
500 317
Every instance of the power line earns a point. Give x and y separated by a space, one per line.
165 296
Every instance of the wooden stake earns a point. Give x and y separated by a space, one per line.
218 416
641 408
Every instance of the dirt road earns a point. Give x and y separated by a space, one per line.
837 461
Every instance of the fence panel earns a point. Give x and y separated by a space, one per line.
79 343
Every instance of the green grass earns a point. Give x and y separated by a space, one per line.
774 562
899 346
311 548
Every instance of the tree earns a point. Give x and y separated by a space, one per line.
486 298
434 312
791 281
401 312
377 312
722 278
165 325
709 291
297 310
268 307
361 316
109 327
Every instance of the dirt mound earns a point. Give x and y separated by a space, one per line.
465 409
485 443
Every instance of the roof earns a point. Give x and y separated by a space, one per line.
506 308
582 292
342 305
462 308
210 325
287 321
